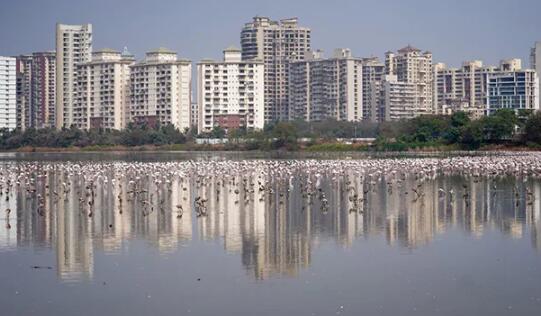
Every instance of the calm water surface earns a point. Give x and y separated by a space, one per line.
353 247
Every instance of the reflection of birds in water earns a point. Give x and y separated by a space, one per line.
180 211
200 207
353 185
530 197
8 225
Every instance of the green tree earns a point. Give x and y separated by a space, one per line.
532 129
472 136
285 135
500 126
217 132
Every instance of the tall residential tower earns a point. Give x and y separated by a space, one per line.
230 93
160 90
36 90
7 93
73 47
102 96
412 66
535 60
276 43
330 88
461 89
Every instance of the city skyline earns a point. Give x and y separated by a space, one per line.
500 31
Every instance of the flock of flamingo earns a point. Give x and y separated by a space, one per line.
249 179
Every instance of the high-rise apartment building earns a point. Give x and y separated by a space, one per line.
36 90
230 92
24 91
479 90
102 94
8 102
276 44
512 88
535 59
461 89
412 66
397 100
326 88
373 75
73 47
160 90
194 115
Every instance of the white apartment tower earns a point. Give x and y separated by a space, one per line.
102 94
160 90
326 88
36 90
276 44
230 93
412 66
535 60
8 102
73 47
397 100
461 89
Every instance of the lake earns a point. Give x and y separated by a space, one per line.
270 234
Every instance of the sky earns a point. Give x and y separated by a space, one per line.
453 30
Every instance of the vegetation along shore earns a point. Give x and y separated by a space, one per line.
504 130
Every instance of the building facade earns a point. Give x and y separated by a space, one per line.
397 100
194 115
516 89
535 60
276 43
73 47
326 88
480 90
412 66
231 93
24 91
36 90
8 100
160 90
102 94
461 89
373 72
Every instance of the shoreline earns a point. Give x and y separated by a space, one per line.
326 148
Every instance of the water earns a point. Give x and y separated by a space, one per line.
355 245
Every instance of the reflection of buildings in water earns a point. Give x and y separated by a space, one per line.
267 229
274 233
410 218
534 218
59 215
475 205
9 227
32 229
74 249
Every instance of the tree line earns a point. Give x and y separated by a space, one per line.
504 127
133 135
457 131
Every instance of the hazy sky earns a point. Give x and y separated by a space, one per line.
454 30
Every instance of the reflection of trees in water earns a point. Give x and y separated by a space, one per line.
272 227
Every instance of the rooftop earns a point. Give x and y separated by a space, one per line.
409 49
107 50
232 48
161 50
